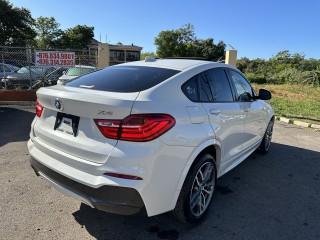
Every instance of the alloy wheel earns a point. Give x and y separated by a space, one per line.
202 189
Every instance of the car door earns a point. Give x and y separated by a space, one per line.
225 114
254 113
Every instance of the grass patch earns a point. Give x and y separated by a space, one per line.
297 101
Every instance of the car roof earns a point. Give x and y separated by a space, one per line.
37 66
8 65
84 66
177 64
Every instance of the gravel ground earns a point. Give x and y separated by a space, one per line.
273 196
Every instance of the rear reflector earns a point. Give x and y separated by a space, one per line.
124 176
136 128
39 109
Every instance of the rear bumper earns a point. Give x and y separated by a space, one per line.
113 199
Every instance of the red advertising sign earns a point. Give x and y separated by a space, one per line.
55 58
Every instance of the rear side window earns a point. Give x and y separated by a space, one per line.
209 86
205 89
221 90
190 89
198 89
123 78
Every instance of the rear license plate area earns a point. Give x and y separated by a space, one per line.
67 123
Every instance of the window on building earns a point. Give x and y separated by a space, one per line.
132 56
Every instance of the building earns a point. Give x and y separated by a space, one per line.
110 54
124 53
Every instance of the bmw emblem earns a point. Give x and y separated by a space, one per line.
58 104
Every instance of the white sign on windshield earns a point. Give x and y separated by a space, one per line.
55 58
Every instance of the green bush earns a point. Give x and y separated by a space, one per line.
311 77
288 75
256 78
283 68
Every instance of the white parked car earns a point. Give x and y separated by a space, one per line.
151 135
74 72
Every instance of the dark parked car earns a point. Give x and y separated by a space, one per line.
26 77
6 69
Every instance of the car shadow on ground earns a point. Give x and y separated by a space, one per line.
15 125
273 196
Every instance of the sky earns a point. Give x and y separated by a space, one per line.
255 28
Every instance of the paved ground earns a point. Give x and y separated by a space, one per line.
276 196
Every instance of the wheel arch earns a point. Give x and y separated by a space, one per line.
212 147
272 118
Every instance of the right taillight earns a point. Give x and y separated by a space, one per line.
39 108
137 127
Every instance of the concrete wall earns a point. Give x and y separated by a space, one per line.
231 57
103 55
16 95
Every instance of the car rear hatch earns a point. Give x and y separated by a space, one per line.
67 120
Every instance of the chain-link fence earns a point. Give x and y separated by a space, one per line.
18 68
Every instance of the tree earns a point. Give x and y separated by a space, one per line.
242 64
48 32
77 37
182 42
167 44
174 43
15 25
207 49
282 55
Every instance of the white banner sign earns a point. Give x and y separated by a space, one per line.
55 58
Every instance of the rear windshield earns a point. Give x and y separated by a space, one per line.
79 71
123 78
36 70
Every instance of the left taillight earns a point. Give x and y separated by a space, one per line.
137 127
39 108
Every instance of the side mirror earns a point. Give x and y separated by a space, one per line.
264 94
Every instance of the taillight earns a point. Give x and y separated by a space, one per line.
39 109
136 128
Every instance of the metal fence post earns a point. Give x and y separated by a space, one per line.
28 52
4 72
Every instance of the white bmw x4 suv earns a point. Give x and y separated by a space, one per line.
150 136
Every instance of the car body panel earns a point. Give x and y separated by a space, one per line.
161 164
145 160
254 119
89 144
227 121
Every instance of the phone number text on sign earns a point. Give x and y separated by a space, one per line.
53 58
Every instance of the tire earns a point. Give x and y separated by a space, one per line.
197 191
266 141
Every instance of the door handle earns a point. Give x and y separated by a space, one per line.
215 111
